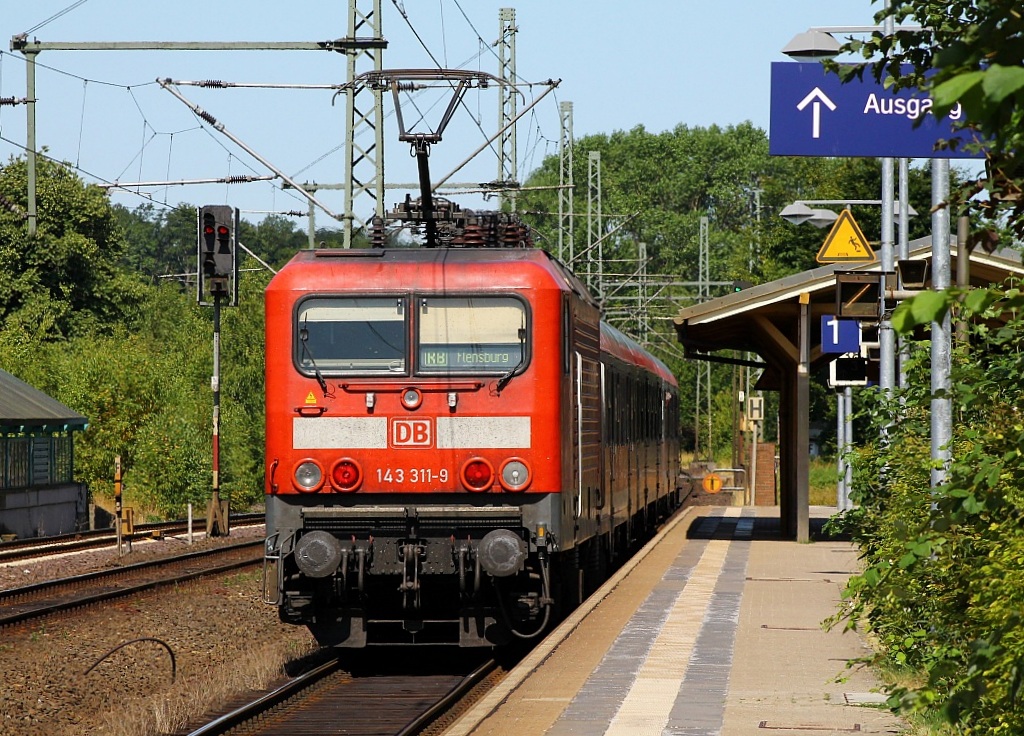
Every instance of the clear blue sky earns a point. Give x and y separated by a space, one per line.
655 63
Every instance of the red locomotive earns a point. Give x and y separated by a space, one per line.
456 445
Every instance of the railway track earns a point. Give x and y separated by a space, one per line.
331 700
30 602
21 549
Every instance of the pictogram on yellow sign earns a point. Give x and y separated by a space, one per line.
310 398
846 243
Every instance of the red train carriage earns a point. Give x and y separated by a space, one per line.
455 443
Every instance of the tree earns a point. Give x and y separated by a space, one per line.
968 53
64 279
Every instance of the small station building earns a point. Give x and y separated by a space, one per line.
38 494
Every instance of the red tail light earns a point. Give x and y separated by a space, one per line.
346 475
477 474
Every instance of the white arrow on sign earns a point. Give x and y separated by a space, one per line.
818 98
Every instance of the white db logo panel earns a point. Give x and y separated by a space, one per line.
411 433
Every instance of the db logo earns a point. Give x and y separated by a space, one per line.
411 433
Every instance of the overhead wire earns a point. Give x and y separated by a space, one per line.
66 164
483 47
55 16
40 65
81 123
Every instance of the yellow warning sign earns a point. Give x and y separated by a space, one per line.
712 483
310 398
846 243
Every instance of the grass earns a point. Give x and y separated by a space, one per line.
172 710
824 479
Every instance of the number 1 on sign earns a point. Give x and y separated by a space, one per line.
834 324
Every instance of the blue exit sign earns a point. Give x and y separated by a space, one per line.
814 114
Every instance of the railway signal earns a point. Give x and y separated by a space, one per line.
217 236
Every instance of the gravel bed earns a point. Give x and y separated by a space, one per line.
224 639
225 642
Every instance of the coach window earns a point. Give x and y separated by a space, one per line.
351 335
471 335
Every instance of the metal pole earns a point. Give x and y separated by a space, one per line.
507 103
941 420
752 489
886 337
311 225
213 514
841 449
117 500
848 400
903 252
30 141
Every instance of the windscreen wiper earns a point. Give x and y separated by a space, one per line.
504 380
304 339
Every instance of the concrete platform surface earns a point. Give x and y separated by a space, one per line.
715 628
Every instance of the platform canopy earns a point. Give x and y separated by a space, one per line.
780 322
27 410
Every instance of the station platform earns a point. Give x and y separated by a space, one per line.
715 627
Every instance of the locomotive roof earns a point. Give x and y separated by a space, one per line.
315 259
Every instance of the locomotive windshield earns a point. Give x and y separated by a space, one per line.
347 335
470 335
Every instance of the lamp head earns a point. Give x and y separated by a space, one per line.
797 213
812 45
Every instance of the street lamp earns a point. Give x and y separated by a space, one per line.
817 44
799 212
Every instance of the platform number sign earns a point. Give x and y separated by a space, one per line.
839 335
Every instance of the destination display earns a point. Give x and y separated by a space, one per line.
469 357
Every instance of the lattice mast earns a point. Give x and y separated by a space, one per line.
566 184
508 172
364 129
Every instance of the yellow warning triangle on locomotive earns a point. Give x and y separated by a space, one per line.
845 243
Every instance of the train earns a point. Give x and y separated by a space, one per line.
458 448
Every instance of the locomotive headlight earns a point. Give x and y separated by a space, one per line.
514 474
411 398
308 476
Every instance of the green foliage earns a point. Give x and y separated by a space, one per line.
656 187
64 279
971 52
943 584
81 323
